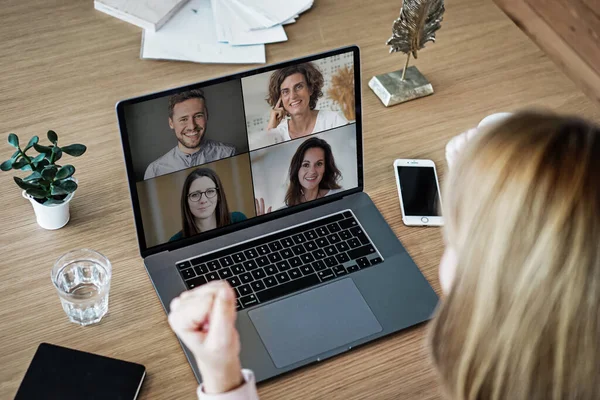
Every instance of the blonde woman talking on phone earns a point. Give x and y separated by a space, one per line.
293 95
519 319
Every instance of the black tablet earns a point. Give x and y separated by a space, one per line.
61 373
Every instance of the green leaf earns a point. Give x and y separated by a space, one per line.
65 172
37 193
74 150
13 140
42 164
7 165
49 172
26 185
53 201
19 164
35 176
42 149
32 141
52 136
58 190
58 155
15 155
69 185
26 168
38 158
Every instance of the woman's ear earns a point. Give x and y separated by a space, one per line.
447 269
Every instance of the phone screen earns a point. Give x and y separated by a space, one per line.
419 190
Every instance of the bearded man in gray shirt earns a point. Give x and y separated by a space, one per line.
188 117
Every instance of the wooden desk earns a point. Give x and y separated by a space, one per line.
65 66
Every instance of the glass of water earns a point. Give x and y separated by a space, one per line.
82 279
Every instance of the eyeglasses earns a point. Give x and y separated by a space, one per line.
196 196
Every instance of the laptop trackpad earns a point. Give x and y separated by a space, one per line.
313 322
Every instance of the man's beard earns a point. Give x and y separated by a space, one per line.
190 145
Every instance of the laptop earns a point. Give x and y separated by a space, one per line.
257 178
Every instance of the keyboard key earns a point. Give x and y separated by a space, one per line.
225 273
322 231
238 269
274 258
319 254
275 246
212 276
246 277
197 281
295 273
310 246
356 231
331 262
363 262
307 269
250 265
334 227
326 275
376 260
248 301
213 265
259 273
322 242
286 253
295 262
263 250
286 242
258 285
188 273
347 214
262 261
319 265
359 234
352 268
286 288
250 253
270 281
354 243
299 238
299 249
310 235
244 290
238 257
331 250
201 269
345 235
283 266
183 265
307 258
339 270
271 270
342 247
226 261
348 223
282 277
361 252
198 261
238 306
234 281
342 258
334 238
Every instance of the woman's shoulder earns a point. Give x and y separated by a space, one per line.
177 236
331 119
237 216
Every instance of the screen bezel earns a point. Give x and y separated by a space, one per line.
170 246
412 220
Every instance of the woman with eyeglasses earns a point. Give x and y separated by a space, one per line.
204 205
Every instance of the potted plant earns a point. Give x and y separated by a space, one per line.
49 187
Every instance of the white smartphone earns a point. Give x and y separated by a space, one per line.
419 192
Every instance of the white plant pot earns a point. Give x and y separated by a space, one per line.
53 216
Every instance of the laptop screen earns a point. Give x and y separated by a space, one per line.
216 154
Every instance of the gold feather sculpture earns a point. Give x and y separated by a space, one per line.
342 91
417 24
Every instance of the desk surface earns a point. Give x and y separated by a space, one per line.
64 67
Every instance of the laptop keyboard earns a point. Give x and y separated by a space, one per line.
286 261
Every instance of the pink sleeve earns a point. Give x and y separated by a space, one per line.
245 392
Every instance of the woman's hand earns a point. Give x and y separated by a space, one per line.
277 115
204 320
261 209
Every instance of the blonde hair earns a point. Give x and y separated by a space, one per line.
522 212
